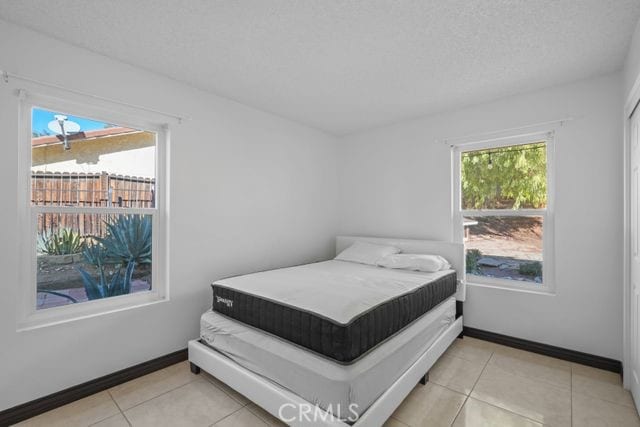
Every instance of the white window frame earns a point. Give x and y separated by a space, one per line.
28 315
548 264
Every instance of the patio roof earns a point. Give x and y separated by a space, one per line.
98 133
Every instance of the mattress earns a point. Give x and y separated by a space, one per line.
338 309
321 381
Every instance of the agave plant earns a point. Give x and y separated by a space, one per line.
95 254
127 244
103 287
128 239
62 242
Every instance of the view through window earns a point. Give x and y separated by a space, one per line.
93 200
503 203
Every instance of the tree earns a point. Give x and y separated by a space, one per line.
506 177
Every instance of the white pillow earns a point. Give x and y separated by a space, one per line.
415 262
366 253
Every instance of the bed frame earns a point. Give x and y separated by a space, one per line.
271 396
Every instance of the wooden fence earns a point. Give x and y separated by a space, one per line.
87 190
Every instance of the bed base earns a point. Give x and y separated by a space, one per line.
425 379
271 396
459 311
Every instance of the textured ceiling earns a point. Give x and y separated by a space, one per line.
345 66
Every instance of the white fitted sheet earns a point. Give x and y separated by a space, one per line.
319 380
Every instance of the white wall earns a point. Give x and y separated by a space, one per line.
396 181
249 191
632 63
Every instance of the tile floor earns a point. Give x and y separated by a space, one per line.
476 383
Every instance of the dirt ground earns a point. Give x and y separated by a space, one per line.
57 277
513 237
505 244
65 279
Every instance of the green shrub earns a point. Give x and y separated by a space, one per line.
473 255
62 242
533 269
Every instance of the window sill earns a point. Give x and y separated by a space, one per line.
71 313
523 289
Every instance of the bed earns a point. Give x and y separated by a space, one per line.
295 342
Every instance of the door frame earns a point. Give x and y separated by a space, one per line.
632 102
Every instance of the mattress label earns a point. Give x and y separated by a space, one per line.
226 301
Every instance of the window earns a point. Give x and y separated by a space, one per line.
93 212
503 211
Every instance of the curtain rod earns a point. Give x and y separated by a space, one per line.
496 133
6 75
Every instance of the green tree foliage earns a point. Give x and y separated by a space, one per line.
503 178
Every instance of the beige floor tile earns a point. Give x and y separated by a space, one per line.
242 418
592 412
231 392
599 374
456 373
141 389
83 412
533 357
471 349
530 398
392 422
265 416
115 421
479 343
600 384
475 413
198 403
552 371
512 388
429 405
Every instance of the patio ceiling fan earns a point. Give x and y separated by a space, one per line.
63 126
